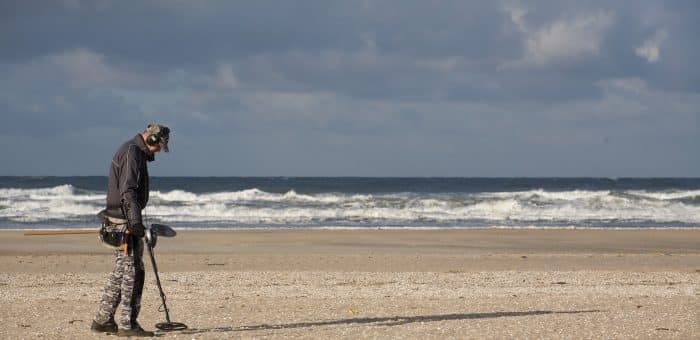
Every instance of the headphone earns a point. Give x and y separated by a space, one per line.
153 139
156 137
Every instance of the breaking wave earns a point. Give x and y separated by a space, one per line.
66 205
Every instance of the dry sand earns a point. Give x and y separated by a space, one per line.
580 284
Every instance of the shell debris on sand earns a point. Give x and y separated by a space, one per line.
407 304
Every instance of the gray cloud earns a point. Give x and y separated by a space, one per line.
357 88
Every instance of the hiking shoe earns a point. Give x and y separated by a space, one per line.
136 331
107 327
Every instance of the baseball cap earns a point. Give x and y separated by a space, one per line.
163 135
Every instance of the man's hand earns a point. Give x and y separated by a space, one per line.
138 230
132 211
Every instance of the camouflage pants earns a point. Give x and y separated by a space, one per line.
124 286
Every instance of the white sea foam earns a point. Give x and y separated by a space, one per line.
57 203
669 195
254 207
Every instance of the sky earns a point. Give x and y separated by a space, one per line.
354 88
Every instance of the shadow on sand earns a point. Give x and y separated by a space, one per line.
382 321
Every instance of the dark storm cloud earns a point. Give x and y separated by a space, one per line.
165 33
378 49
406 87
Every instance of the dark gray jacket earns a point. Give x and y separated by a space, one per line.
127 189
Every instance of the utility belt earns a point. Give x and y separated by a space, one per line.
113 232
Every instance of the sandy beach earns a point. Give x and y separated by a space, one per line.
501 283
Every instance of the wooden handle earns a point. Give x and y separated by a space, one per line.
59 232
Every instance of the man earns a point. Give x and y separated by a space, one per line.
127 195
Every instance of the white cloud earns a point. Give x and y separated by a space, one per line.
572 38
566 38
650 49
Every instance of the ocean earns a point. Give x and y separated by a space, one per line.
348 202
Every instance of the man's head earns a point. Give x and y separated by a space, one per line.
156 137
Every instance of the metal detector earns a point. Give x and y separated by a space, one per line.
151 237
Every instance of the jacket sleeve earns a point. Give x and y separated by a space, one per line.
130 178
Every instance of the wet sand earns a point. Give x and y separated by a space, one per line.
372 283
